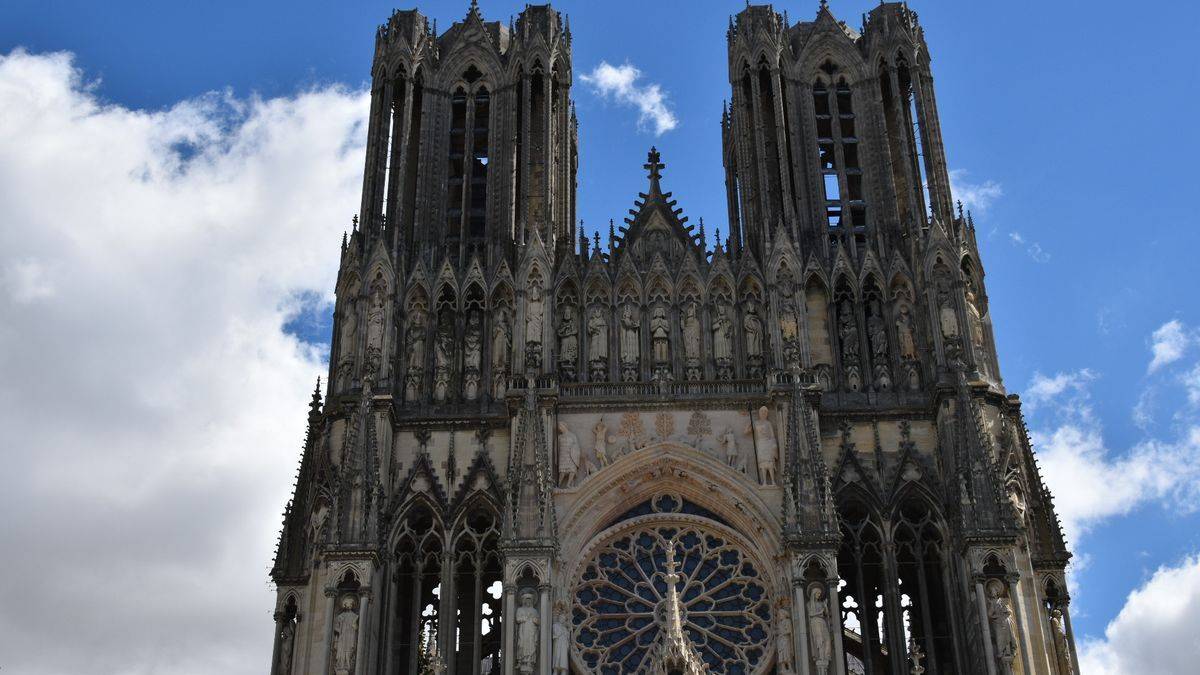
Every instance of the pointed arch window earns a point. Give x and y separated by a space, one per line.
838 154
469 152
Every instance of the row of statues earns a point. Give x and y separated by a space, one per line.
528 629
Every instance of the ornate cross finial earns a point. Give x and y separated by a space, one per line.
354 222
655 166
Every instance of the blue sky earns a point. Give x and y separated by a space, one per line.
1070 127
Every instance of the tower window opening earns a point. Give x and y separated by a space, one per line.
838 153
832 192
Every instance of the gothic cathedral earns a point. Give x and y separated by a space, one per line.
785 450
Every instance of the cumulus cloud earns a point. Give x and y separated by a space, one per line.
1168 344
620 83
1091 481
1155 632
975 196
152 403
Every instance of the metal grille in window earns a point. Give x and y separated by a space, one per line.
619 602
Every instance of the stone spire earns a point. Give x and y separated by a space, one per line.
677 655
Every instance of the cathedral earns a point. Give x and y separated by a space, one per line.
784 448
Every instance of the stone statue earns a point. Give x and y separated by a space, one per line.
629 335
345 637
1016 496
416 353
568 455
568 336
765 446
287 640
562 643
501 345
848 333
535 307
819 639
975 324
729 445
472 355
905 335
660 334
877 334
600 447
722 335
527 634
597 330
691 332
915 654
783 640
1000 619
375 316
443 357
753 327
349 329
947 316
1062 649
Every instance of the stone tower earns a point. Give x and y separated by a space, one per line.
788 452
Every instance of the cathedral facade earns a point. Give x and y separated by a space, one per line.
785 449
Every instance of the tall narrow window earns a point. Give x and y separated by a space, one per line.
412 155
467 163
915 134
454 164
838 155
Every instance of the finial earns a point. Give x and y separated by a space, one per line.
718 237
343 240
960 209
612 235
655 166
825 4
354 223
597 240
703 239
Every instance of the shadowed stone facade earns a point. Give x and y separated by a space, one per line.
788 452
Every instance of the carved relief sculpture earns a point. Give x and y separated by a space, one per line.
908 347
975 323
752 326
660 335
783 639
877 335
527 634
346 344
597 329
287 641
376 311
765 446
568 455
723 342
345 637
562 639
1062 649
729 448
819 641
600 444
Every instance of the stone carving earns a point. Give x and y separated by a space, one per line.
376 309
848 338
1016 494
568 455
568 343
287 641
783 639
948 322
904 333
600 444
664 425
729 448
660 335
819 640
753 327
527 634
633 430
630 327
443 356
472 355
1003 628
535 308
698 427
562 644
975 325
416 354
877 336
597 330
789 322
349 329
345 637
501 344
691 342
1062 649
723 342
765 446
915 653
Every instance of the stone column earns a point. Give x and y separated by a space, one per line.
1019 613
988 651
835 613
275 644
545 623
364 620
327 643
1066 612
799 627
508 648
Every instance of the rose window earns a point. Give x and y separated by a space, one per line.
619 598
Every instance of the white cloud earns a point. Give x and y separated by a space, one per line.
1092 482
1034 249
975 196
1155 632
1169 342
620 83
153 407
1191 382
